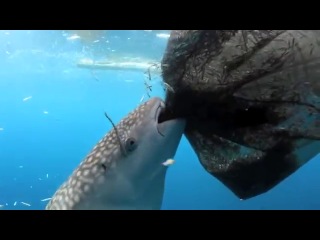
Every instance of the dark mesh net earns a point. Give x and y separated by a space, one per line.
251 98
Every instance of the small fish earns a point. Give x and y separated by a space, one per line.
45 199
1 129
168 87
73 37
26 204
163 35
27 98
45 112
94 75
47 175
141 99
124 170
15 203
168 162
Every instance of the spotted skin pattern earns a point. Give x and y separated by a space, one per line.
85 188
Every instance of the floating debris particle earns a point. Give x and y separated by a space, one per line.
15 203
27 98
20 166
45 199
1 129
40 179
45 112
96 41
47 175
30 186
26 204
1 206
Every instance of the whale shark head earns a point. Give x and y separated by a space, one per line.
124 170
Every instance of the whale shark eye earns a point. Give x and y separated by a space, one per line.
131 144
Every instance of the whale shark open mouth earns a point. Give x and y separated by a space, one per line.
165 114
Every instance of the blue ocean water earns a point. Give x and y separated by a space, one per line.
52 114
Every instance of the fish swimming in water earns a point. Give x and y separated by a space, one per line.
124 171
169 162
